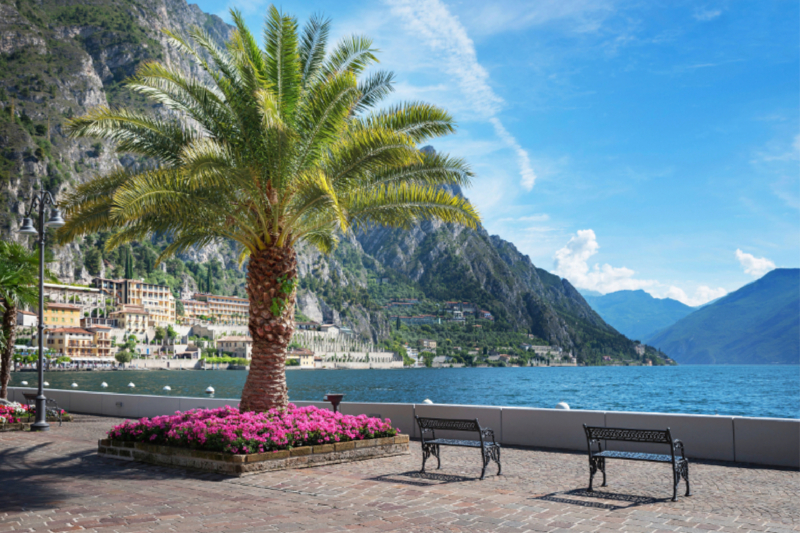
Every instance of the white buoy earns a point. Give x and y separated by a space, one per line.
46 384
104 385
562 405
23 382
131 385
74 385
210 390
427 401
167 387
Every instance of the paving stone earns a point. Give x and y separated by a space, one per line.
55 481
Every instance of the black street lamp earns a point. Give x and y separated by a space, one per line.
42 200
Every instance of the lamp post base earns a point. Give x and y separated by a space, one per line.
41 415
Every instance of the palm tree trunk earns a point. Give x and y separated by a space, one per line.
270 274
10 331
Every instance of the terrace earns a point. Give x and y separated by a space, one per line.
55 482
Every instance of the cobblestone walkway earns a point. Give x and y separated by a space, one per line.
55 482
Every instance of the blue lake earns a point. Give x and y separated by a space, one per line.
767 391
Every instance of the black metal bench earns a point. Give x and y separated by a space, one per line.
490 451
51 407
676 457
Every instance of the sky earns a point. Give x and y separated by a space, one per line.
621 144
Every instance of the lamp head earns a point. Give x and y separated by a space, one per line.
27 227
55 219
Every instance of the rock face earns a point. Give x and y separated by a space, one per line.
61 59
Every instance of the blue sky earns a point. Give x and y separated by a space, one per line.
621 144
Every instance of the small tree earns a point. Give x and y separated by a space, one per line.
171 333
123 357
159 336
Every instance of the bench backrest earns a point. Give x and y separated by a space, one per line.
449 424
29 395
655 436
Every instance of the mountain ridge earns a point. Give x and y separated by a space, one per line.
757 324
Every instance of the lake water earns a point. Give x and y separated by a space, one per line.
767 391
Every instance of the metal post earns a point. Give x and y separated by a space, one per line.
41 402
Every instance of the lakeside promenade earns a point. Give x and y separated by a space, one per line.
54 481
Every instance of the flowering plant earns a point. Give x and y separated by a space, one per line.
227 429
12 413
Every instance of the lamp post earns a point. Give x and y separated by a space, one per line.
42 200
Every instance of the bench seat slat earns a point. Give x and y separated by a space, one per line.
637 456
464 443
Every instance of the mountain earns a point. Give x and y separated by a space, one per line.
636 314
758 324
61 58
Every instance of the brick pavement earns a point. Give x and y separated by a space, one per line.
55 482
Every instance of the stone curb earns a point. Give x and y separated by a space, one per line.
242 465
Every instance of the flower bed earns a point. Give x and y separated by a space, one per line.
13 413
17 417
228 430
227 441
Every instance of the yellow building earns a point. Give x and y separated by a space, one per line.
132 318
72 342
156 299
56 314
226 309
79 344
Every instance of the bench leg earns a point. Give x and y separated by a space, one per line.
496 457
685 475
595 464
427 451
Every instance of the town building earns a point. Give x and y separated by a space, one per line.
308 326
26 319
81 344
156 299
236 346
57 314
428 344
226 309
640 349
132 318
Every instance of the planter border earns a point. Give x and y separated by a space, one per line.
254 463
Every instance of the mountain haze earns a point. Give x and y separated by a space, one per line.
758 324
636 314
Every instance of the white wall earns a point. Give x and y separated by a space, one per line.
764 441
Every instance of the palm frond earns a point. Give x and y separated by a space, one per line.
312 47
283 60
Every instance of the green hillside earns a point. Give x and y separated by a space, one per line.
758 324
636 314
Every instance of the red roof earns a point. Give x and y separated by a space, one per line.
54 305
74 331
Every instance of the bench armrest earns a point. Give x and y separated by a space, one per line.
599 446
677 445
487 433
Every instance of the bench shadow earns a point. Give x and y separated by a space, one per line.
631 500
421 479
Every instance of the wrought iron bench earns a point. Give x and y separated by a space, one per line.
597 459
52 410
490 451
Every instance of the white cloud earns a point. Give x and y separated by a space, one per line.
704 14
754 266
703 294
571 262
502 16
432 22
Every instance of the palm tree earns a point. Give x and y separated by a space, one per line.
19 277
279 146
